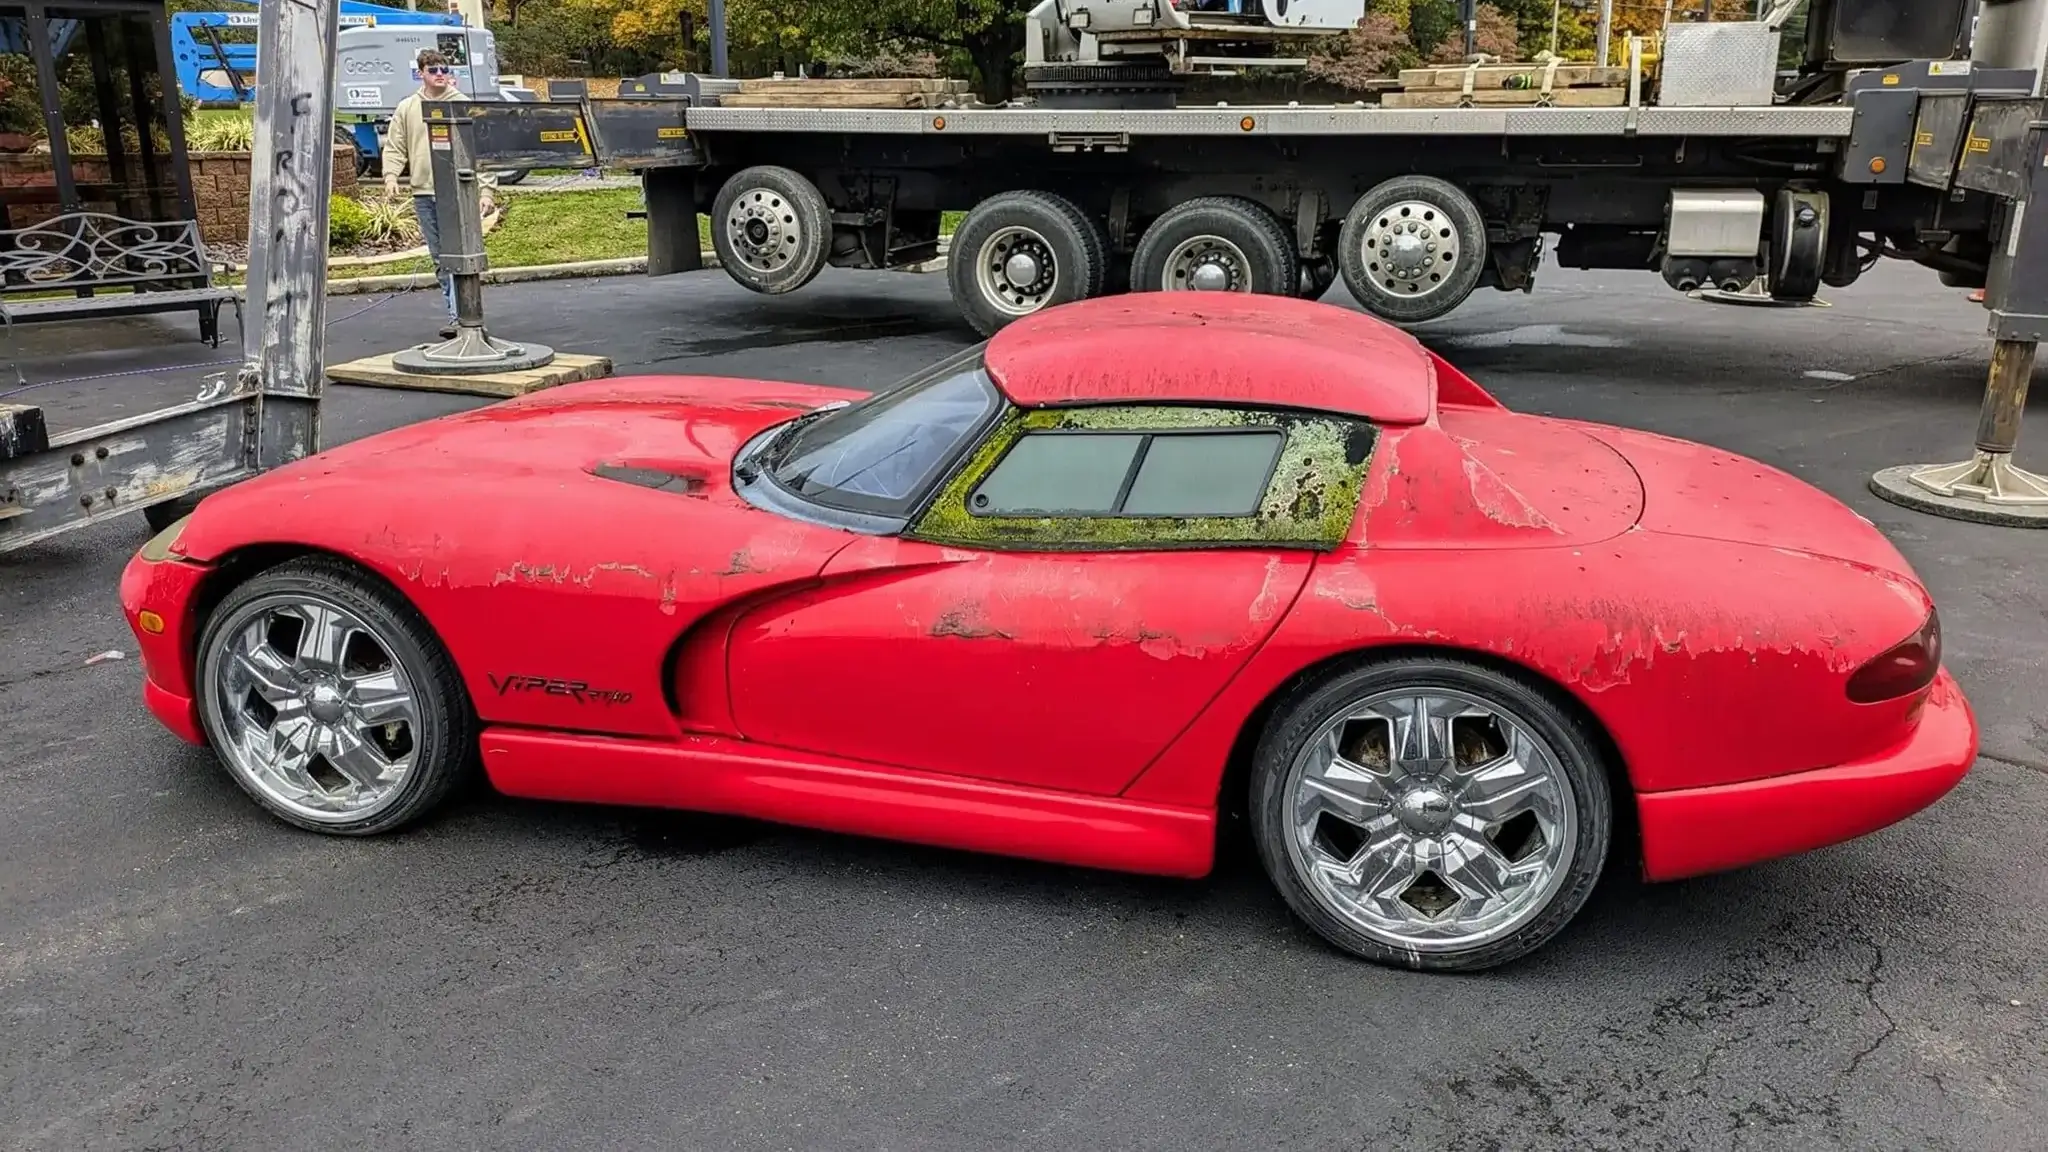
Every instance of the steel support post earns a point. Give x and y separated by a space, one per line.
291 174
1988 487
458 203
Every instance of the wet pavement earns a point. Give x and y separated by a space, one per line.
178 970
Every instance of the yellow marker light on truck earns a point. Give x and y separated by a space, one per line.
149 622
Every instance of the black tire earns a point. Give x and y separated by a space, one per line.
772 229
1798 248
1316 277
1239 226
508 179
444 746
162 516
1308 710
1054 227
1452 220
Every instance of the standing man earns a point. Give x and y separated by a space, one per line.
406 154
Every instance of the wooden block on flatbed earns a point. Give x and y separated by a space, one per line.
871 84
830 100
1503 98
566 368
1499 75
23 431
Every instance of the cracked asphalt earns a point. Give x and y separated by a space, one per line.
178 971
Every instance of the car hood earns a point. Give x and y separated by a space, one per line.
667 436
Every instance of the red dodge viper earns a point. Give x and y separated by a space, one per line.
1073 594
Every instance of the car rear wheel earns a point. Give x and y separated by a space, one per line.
1018 252
1430 813
330 701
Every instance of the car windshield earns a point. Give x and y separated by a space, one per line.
883 454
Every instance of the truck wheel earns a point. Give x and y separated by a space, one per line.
1316 277
1412 249
1799 245
1217 244
507 179
1018 252
771 228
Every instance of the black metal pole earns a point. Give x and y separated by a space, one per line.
715 15
1470 8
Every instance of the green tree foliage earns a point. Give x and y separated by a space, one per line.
983 37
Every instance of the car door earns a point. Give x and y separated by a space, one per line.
1074 594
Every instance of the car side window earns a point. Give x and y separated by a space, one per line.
1141 477
1193 473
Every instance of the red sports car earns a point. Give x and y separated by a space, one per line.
1073 594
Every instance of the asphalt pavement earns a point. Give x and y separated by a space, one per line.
179 971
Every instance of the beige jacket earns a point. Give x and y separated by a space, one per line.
405 144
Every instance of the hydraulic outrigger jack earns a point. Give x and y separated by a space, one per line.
473 351
1988 487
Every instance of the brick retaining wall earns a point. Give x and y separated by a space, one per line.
220 187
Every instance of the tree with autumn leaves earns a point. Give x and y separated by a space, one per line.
977 39
983 40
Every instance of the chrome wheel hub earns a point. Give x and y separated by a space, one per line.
763 230
1022 268
1430 820
1015 271
1207 264
1411 249
311 709
1424 811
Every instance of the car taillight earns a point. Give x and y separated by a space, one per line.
1901 670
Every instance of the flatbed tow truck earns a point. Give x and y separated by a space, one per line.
1915 130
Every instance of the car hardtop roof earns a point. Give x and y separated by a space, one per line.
1223 348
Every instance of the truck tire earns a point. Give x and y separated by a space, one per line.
1799 245
1217 244
1317 275
1017 252
771 228
1412 249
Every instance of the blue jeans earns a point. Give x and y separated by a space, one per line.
430 231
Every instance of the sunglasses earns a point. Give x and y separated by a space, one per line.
439 70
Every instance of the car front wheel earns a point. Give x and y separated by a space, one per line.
1430 813
330 700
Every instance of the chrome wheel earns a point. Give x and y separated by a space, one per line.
311 709
1015 271
763 230
1411 248
1207 264
1430 820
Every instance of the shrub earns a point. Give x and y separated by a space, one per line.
1376 48
391 222
348 223
220 134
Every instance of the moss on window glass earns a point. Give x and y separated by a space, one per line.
1309 503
